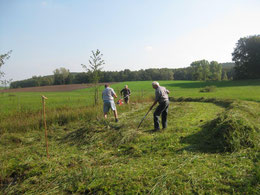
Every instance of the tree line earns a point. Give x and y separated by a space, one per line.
62 76
246 56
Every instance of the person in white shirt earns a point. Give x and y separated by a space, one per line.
108 95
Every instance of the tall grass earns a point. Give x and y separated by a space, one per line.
28 118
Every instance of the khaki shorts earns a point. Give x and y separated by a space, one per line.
107 105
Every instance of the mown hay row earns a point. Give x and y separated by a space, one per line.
232 130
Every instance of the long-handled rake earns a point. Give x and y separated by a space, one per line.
144 117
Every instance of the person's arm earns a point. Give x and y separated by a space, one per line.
155 102
113 93
167 91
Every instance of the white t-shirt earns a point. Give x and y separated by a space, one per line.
107 94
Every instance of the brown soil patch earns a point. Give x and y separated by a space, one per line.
52 88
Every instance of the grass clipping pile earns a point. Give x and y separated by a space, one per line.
234 129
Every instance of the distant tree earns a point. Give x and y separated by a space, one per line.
205 70
95 67
228 69
246 56
69 79
216 71
183 73
180 74
81 78
197 70
45 81
133 76
230 73
200 70
6 82
166 74
61 76
37 80
3 58
25 83
144 75
224 75
227 65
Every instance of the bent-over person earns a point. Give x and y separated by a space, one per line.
161 96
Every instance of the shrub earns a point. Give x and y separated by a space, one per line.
211 88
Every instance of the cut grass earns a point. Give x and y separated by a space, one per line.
90 155
106 157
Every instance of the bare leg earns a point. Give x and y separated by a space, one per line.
116 117
105 115
115 114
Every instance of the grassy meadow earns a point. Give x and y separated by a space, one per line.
209 147
244 90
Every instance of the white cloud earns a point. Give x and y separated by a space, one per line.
148 48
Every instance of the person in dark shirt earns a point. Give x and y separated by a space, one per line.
126 92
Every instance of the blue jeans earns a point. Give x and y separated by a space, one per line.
162 109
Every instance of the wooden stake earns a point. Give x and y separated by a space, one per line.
45 125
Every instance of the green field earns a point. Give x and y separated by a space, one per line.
210 146
244 90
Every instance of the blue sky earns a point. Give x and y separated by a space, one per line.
131 34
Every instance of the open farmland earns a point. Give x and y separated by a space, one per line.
13 102
51 88
210 146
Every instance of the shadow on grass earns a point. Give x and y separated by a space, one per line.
219 84
230 131
152 131
202 141
78 137
218 102
90 132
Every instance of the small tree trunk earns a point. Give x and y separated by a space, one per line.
96 95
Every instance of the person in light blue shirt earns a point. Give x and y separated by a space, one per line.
108 95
